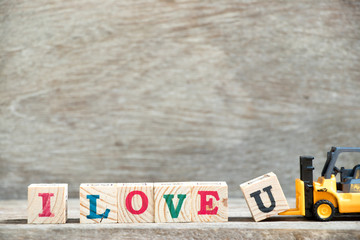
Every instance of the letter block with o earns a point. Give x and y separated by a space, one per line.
98 203
135 202
264 196
47 203
209 202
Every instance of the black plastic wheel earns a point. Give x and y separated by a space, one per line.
324 210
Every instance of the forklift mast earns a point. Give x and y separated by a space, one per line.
306 175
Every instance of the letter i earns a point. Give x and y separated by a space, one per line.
46 212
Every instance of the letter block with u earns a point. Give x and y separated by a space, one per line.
264 196
47 203
135 202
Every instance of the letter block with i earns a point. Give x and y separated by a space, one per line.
264 196
209 202
172 202
135 202
47 203
98 203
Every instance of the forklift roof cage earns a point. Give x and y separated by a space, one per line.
332 157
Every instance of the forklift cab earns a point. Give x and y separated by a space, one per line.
349 178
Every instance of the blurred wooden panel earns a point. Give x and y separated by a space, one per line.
127 91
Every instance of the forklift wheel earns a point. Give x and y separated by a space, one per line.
324 210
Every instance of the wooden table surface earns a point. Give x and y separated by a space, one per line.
240 226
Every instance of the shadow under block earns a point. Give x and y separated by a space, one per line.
135 202
264 196
209 202
98 203
47 203
172 202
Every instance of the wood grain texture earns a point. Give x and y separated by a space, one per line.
259 184
107 200
162 209
240 226
57 203
148 215
220 204
121 91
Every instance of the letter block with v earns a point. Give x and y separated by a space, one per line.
172 202
264 196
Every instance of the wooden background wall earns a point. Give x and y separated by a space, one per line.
121 91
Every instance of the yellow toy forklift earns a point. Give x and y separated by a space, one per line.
325 198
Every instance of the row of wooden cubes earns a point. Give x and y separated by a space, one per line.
132 202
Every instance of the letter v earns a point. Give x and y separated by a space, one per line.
169 201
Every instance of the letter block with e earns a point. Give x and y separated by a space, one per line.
172 202
47 203
98 203
264 196
209 202
135 202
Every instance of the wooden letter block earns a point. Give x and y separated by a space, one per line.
98 203
172 202
264 196
209 202
47 203
135 202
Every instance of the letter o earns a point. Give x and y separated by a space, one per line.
144 205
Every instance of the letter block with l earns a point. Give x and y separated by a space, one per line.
47 203
98 203
264 196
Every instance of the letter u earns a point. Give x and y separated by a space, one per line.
260 203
